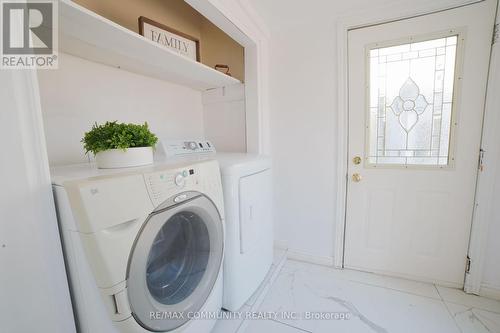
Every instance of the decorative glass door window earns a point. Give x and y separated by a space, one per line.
411 103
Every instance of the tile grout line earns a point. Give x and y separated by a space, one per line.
474 307
468 305
448 309
286 324
411 293
471 310
397 290
439 294
348 279
439 299
260 299
482 320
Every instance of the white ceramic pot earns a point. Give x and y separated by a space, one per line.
119 158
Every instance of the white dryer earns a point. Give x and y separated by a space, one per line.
247 184
143 246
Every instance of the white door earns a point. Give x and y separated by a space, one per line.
416 97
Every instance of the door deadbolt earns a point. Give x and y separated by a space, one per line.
356 160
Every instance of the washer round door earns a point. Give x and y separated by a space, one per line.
174 263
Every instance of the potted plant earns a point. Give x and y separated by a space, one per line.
120 145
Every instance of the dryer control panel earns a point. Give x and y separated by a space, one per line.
174 148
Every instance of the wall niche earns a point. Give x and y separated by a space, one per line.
216 47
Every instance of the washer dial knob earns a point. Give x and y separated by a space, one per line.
179 180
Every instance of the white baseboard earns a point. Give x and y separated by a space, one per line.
302 256
310 258
490 292
281 244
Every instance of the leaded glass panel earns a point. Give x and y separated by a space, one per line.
410 102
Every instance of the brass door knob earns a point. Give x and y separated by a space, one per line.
356 160
356 177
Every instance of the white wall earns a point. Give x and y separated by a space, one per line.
303 113
224 118
303 131
303 126
80 93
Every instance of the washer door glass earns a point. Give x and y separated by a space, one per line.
175 264
178 258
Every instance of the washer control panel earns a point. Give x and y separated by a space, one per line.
162 185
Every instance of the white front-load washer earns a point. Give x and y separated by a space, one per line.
143 246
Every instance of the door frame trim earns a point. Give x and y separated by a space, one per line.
344 25
485 182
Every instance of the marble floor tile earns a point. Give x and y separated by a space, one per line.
473 320
279 255
490 319
403 285
265 326
278 262
302 289
303 297
231 325
459 297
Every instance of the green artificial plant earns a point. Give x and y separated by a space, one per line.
114 135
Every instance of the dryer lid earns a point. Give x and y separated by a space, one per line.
241 165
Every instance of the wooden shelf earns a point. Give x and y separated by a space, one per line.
84 34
